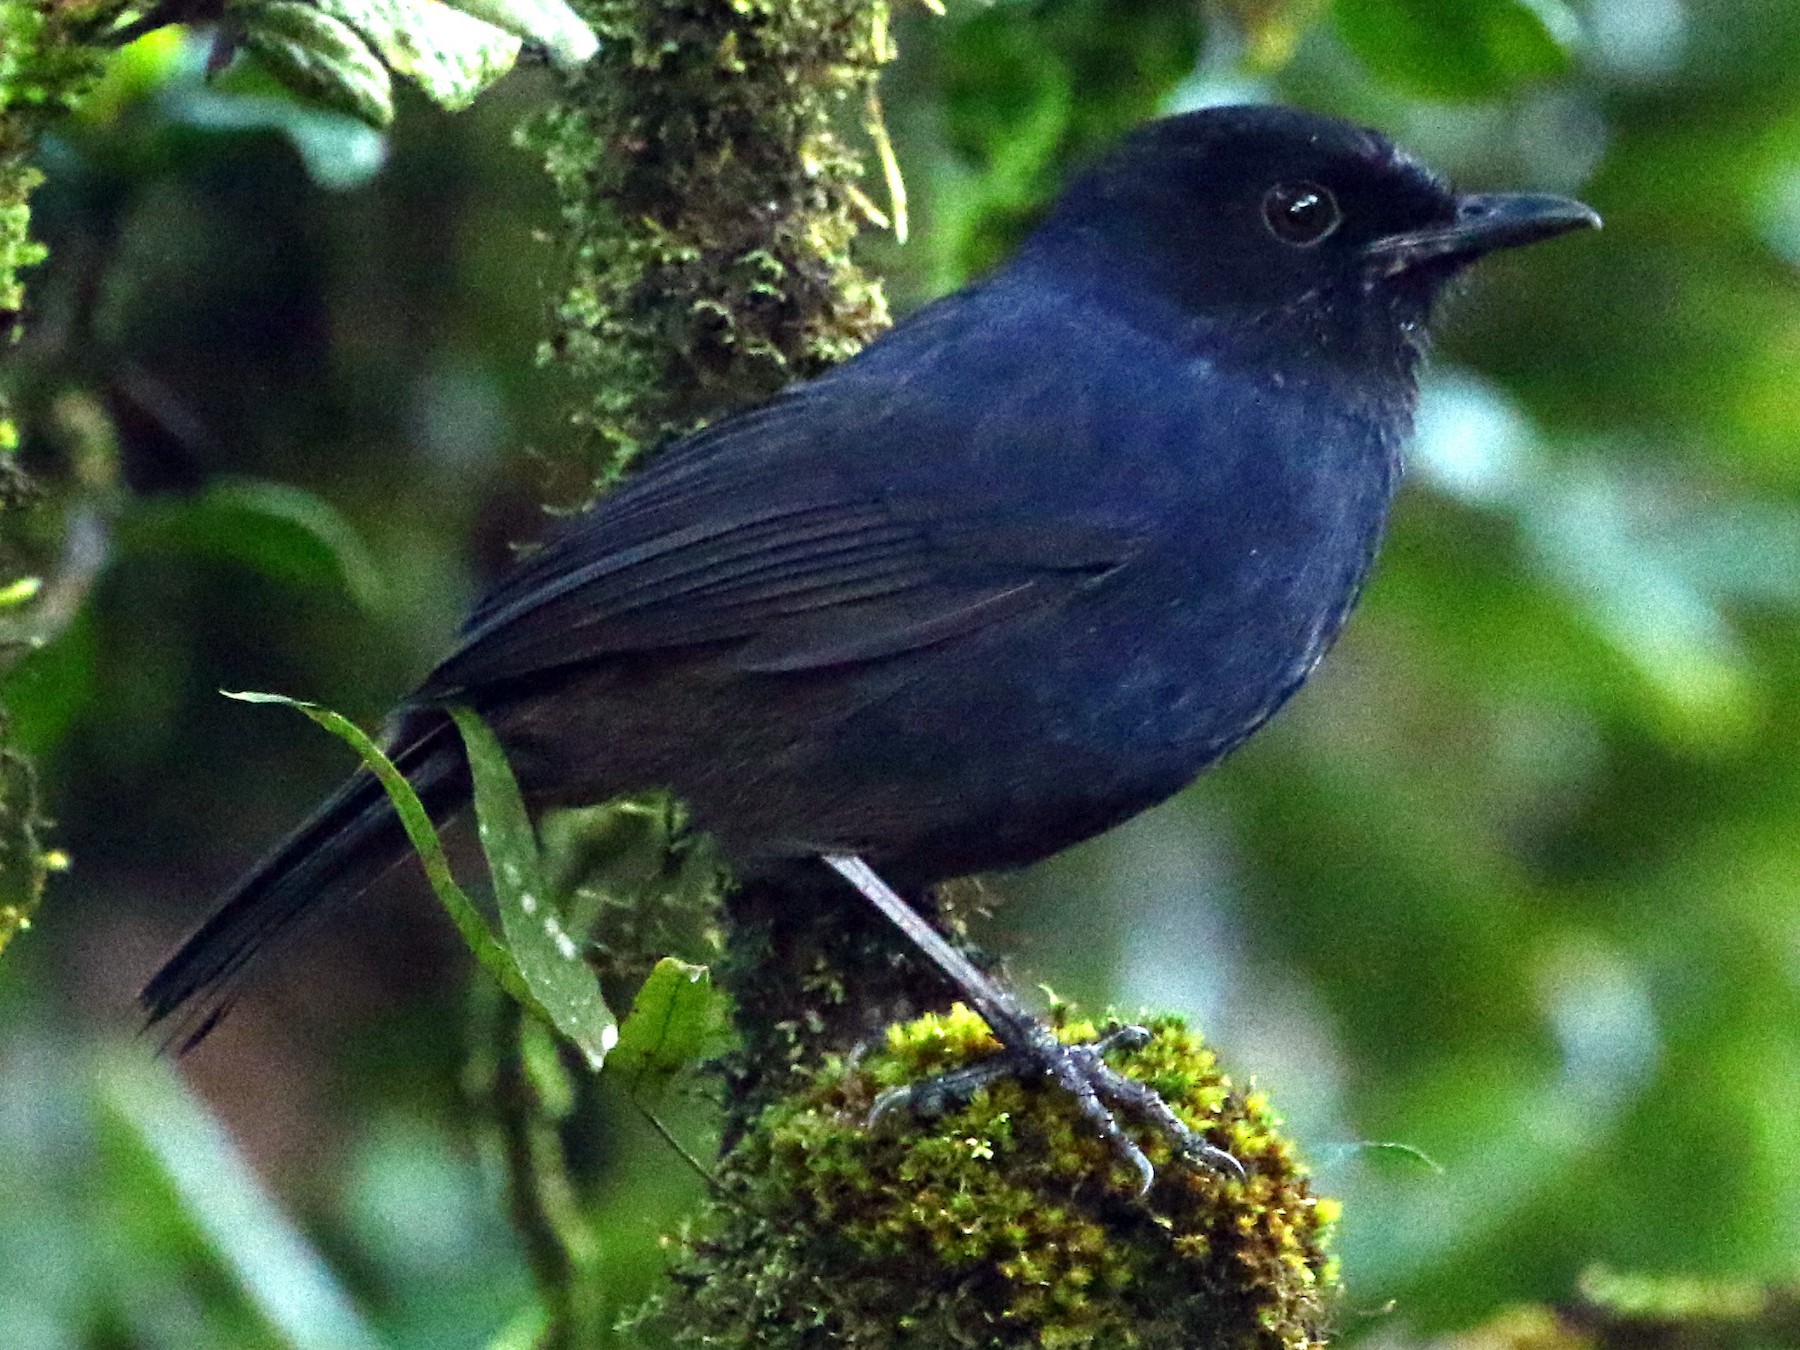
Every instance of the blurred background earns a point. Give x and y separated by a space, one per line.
1504 911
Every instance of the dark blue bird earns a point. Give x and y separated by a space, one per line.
1021 569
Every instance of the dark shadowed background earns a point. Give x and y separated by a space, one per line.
1515 882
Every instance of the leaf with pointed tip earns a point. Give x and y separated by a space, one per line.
539 965
424 836
674 1022
563 984
285 533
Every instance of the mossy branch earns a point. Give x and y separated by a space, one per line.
710 201
1006 1224
47 62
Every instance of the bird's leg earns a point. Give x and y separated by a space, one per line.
1031 1048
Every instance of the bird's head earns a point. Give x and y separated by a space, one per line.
1320 237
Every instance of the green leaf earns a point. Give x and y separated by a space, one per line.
563 984
320 57
1389 1147
1452 48
449 55
1272 29
281 1272
140 70
674 1021
285 533
541 966
494 958
551 24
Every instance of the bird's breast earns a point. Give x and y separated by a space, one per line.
1254 566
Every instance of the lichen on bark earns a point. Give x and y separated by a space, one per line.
710 198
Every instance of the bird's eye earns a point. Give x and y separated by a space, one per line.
1300 213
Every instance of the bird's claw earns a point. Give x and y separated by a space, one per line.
943 1093
1096 1087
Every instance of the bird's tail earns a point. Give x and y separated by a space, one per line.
349 842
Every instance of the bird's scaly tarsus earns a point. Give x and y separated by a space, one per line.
1032 1050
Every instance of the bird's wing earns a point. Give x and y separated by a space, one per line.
756 541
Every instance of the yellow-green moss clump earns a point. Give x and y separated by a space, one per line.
1006 1223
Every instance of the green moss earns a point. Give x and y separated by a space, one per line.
46 64
25 864
1006 1223
710 205
18 250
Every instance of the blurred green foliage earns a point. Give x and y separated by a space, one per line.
1453 48
1028 89
1515 882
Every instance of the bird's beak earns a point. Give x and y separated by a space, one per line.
1485 221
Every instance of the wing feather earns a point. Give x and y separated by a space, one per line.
758 540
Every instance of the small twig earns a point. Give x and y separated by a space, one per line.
875 123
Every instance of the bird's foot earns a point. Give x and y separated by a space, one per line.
1032 1050
1097 1089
